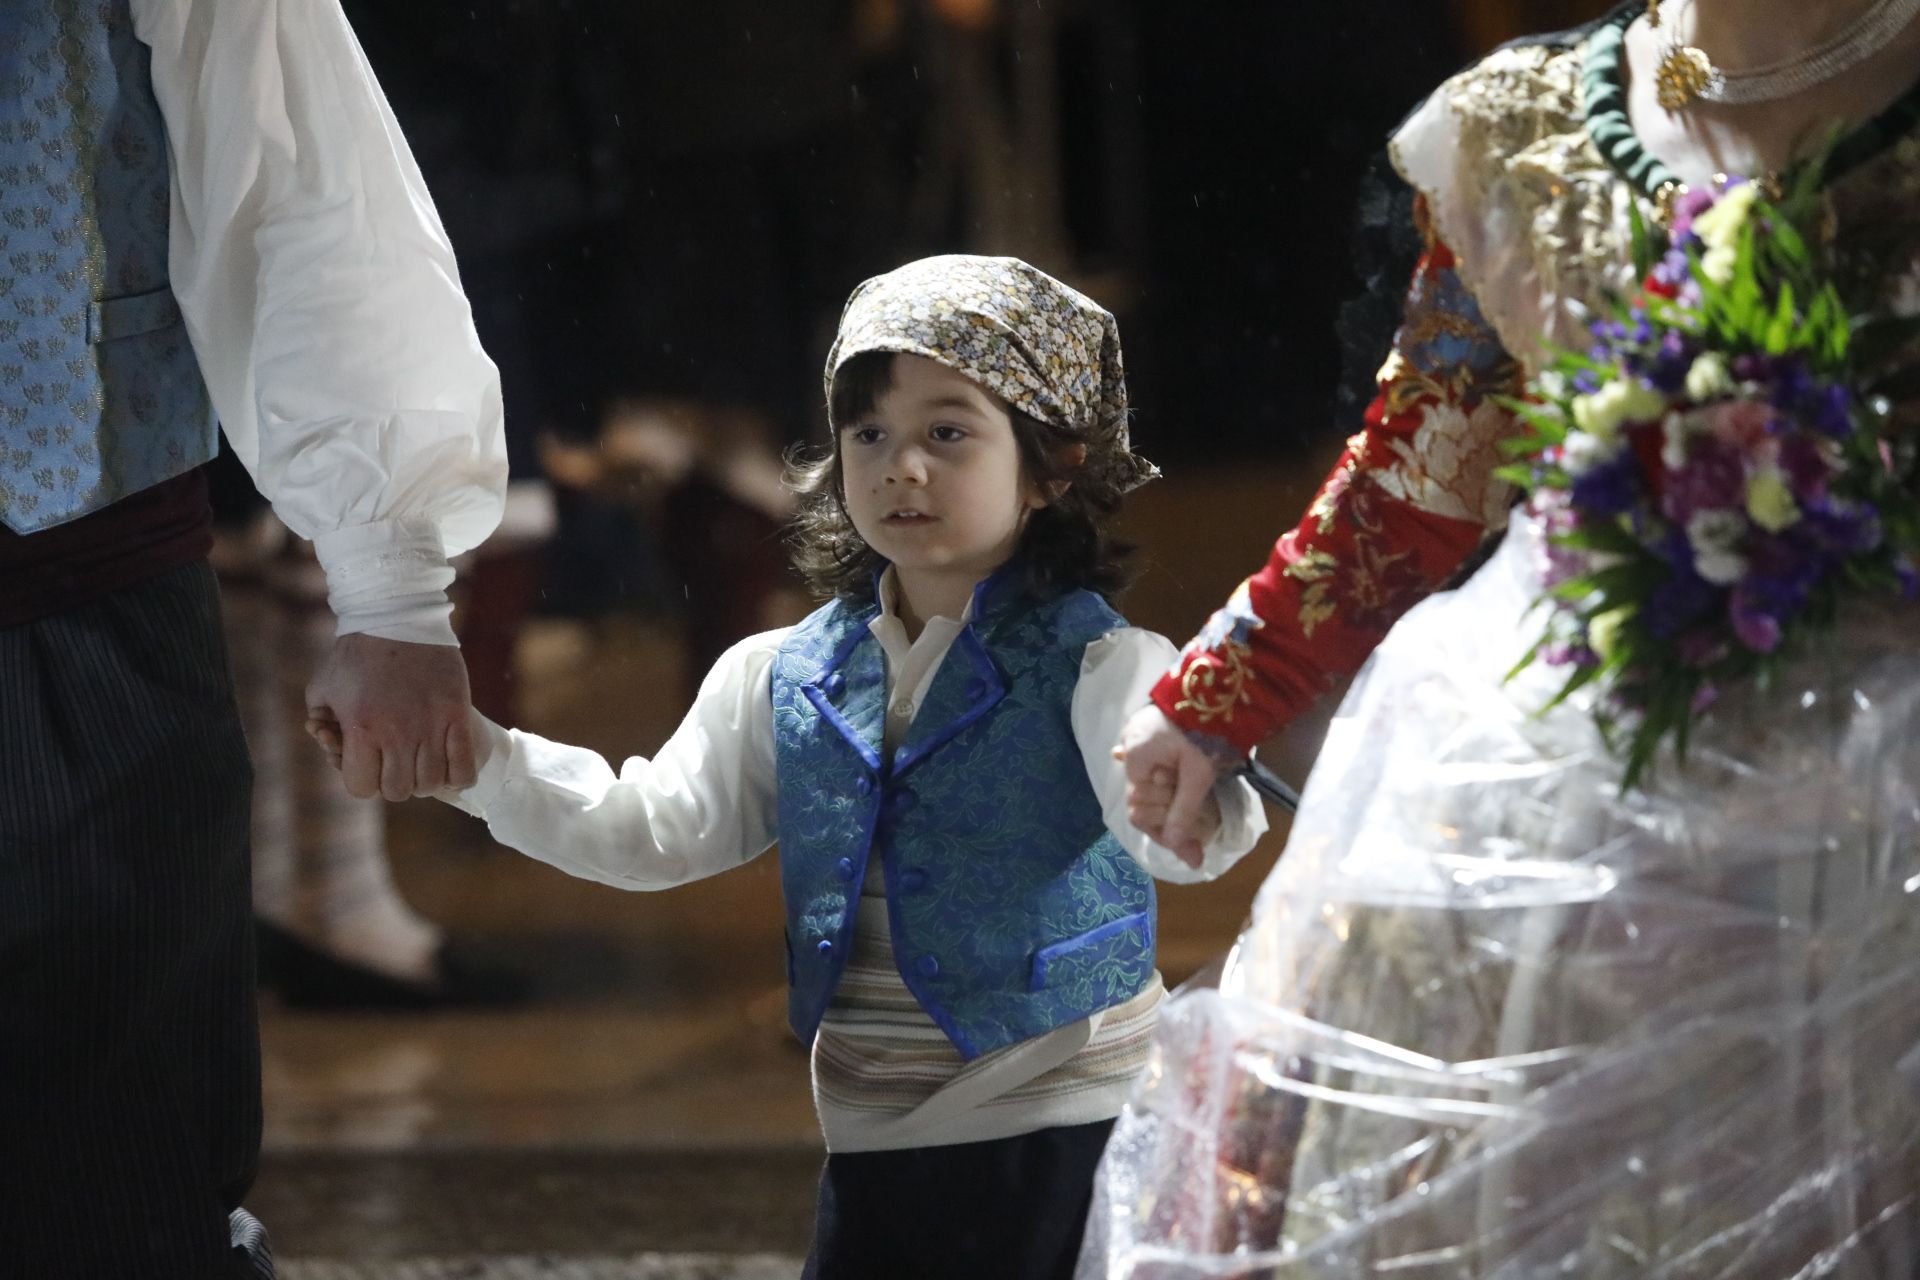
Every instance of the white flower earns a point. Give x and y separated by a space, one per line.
1717 263
1553 385
1719 227
1622 400
1708 376
1714 535
1675 430
1583 452
1603 630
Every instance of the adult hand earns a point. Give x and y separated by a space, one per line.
1169 784
402 715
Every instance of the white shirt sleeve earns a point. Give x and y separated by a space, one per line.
323 302
705 803
1116 674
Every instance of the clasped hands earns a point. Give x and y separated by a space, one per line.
393 716
1169 785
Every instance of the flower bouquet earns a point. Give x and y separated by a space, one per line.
1718 472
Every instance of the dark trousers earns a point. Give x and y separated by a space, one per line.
129 1044
1011 1209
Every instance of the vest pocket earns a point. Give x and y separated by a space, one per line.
1060 962
132 315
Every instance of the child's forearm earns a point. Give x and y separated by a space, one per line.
653 825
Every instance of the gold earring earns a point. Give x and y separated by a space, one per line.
1653 13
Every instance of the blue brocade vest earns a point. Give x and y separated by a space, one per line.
1012 909
100 395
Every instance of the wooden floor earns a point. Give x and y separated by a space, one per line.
650 1100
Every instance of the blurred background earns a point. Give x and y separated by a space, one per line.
476 1066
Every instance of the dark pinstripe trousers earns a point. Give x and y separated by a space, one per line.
129 1043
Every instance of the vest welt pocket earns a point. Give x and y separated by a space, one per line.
1057 960
130 316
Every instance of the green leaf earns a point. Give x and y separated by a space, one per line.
1519 474
1533 651
1601 537
1779 331
1578 680
1644 252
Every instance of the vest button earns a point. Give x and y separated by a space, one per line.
843 869
928 967
863 786
834 685
913 879
901 801
824 947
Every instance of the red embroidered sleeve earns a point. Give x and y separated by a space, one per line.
1408 501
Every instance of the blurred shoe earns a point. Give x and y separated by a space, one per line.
309 977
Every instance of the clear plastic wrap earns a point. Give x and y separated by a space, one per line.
1492 1019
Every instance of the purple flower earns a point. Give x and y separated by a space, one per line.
1564 653
1671 361
1678 602
1714 479
1610 488
1692 203
1673 269
1907 576
1757 629
1792 384
1703 697
1701 647
1586 382
1806 469
1833 410
1830 530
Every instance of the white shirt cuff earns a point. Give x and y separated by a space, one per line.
492 752
389 579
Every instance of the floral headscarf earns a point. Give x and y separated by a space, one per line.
1047 350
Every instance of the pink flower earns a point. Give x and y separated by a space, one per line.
1740 423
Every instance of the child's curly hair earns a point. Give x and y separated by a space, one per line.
1066 545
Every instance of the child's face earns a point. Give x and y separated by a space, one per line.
934 482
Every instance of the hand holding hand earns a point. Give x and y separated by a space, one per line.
1169 785
398 714
327 734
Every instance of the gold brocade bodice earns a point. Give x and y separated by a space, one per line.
1536 207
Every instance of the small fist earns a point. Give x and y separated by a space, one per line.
1169 785
327 734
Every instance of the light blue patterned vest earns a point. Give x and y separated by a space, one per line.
100 396
1013 909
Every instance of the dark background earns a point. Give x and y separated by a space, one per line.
673 198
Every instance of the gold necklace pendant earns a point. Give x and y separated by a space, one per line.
1683 74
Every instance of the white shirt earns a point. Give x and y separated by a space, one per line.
706 802
323 302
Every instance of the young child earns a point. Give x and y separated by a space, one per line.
970 914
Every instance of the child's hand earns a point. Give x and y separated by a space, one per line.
1149 802
1169 785
327 734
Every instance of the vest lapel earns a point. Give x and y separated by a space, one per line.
850 693
966 688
